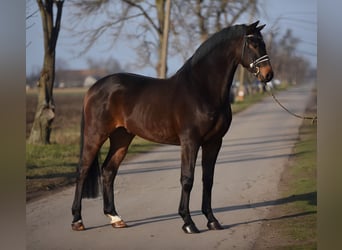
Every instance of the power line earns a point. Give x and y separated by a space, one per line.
299 20
306 53
308 42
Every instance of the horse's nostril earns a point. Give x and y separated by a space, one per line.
269 76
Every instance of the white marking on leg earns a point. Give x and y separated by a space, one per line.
113 219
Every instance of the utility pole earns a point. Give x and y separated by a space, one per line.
163 67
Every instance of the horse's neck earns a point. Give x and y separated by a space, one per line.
226 87
215 80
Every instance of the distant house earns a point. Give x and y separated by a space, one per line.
88 81
78 78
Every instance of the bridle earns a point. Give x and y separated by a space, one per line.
254 65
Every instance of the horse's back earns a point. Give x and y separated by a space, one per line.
118 81
143 105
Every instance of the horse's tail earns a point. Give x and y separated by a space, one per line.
91 181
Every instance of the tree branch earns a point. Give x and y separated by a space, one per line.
57 25
149 19
43 15
32 14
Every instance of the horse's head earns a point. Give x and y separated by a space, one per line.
254 56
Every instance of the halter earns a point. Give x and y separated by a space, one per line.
254 65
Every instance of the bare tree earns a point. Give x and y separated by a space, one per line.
148 16
191 22
287 65
30 13
210 16
45 113
284 56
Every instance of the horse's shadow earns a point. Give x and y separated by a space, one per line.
311 198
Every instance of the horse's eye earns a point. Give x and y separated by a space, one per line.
255 43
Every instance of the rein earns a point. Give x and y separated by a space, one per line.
254 66
312 118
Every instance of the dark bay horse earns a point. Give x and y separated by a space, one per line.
190 109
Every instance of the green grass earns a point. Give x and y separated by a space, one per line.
239 106
49 166
305 161
42 160
293 225
302 180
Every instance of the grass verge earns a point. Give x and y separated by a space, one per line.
293 225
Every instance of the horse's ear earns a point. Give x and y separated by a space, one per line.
251 28
255 24
261 27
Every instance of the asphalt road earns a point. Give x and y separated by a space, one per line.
254 153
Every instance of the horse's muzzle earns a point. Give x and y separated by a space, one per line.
265 74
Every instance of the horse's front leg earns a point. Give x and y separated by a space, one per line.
189 155
209 155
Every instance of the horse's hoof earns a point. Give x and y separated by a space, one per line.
77 226
214 225
190 229
119 224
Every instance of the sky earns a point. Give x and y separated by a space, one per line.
298 15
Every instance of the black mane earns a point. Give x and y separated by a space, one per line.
212 42
215 40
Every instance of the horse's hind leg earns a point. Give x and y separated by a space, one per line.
120 139
88 160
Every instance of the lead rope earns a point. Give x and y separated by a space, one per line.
312 118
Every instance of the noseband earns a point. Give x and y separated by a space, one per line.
254 65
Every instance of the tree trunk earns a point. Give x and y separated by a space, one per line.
45 113
202 23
